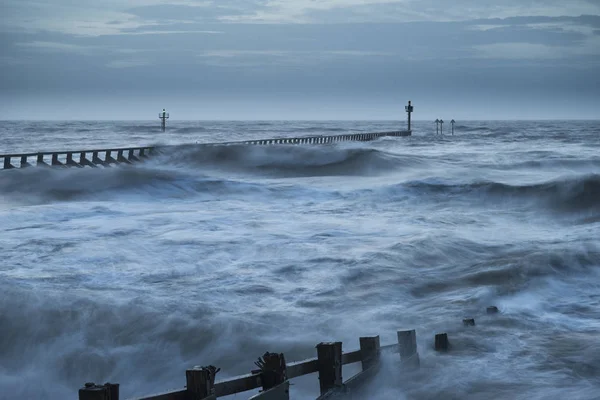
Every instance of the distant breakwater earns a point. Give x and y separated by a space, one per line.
106 157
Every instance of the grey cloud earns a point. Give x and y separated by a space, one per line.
175 12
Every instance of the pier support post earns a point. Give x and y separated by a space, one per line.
91 391
329 360
55 161
7 164
369 351
200 382
70 161
40 160
121 158
24 163
407 342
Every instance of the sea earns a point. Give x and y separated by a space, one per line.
215 255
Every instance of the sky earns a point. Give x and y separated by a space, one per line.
299 59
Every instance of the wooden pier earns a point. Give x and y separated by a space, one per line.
274 374
128 155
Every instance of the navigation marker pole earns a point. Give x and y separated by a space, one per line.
164 116
409 109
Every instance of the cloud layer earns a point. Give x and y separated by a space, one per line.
302 51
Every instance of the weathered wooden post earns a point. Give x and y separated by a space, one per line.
407 342
201 382
329 360
441 342
369 351
272 369
91 391
7 164
453 122
469 322
437 126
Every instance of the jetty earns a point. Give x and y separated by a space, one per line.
103 158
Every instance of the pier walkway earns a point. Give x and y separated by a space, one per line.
98 158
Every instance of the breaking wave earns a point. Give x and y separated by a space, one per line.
577 193
291 160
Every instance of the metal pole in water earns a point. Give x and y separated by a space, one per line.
164 116
409 109
453 122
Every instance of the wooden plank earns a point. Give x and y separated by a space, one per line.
279 392
300 368
174 395
237 384
351 357
361 378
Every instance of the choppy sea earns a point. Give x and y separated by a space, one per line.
215 255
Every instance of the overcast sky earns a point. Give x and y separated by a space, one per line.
299 59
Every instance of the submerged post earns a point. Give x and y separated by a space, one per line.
437 126
441 126
409 109
164 116
453 122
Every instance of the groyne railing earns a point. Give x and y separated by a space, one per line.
106 157
274 374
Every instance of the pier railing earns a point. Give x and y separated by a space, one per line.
274 374
107 157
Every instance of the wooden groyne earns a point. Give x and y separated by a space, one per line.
274 374
107 157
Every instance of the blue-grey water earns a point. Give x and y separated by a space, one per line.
215 255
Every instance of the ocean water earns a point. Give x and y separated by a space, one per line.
215 255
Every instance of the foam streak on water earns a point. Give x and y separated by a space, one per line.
216 255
